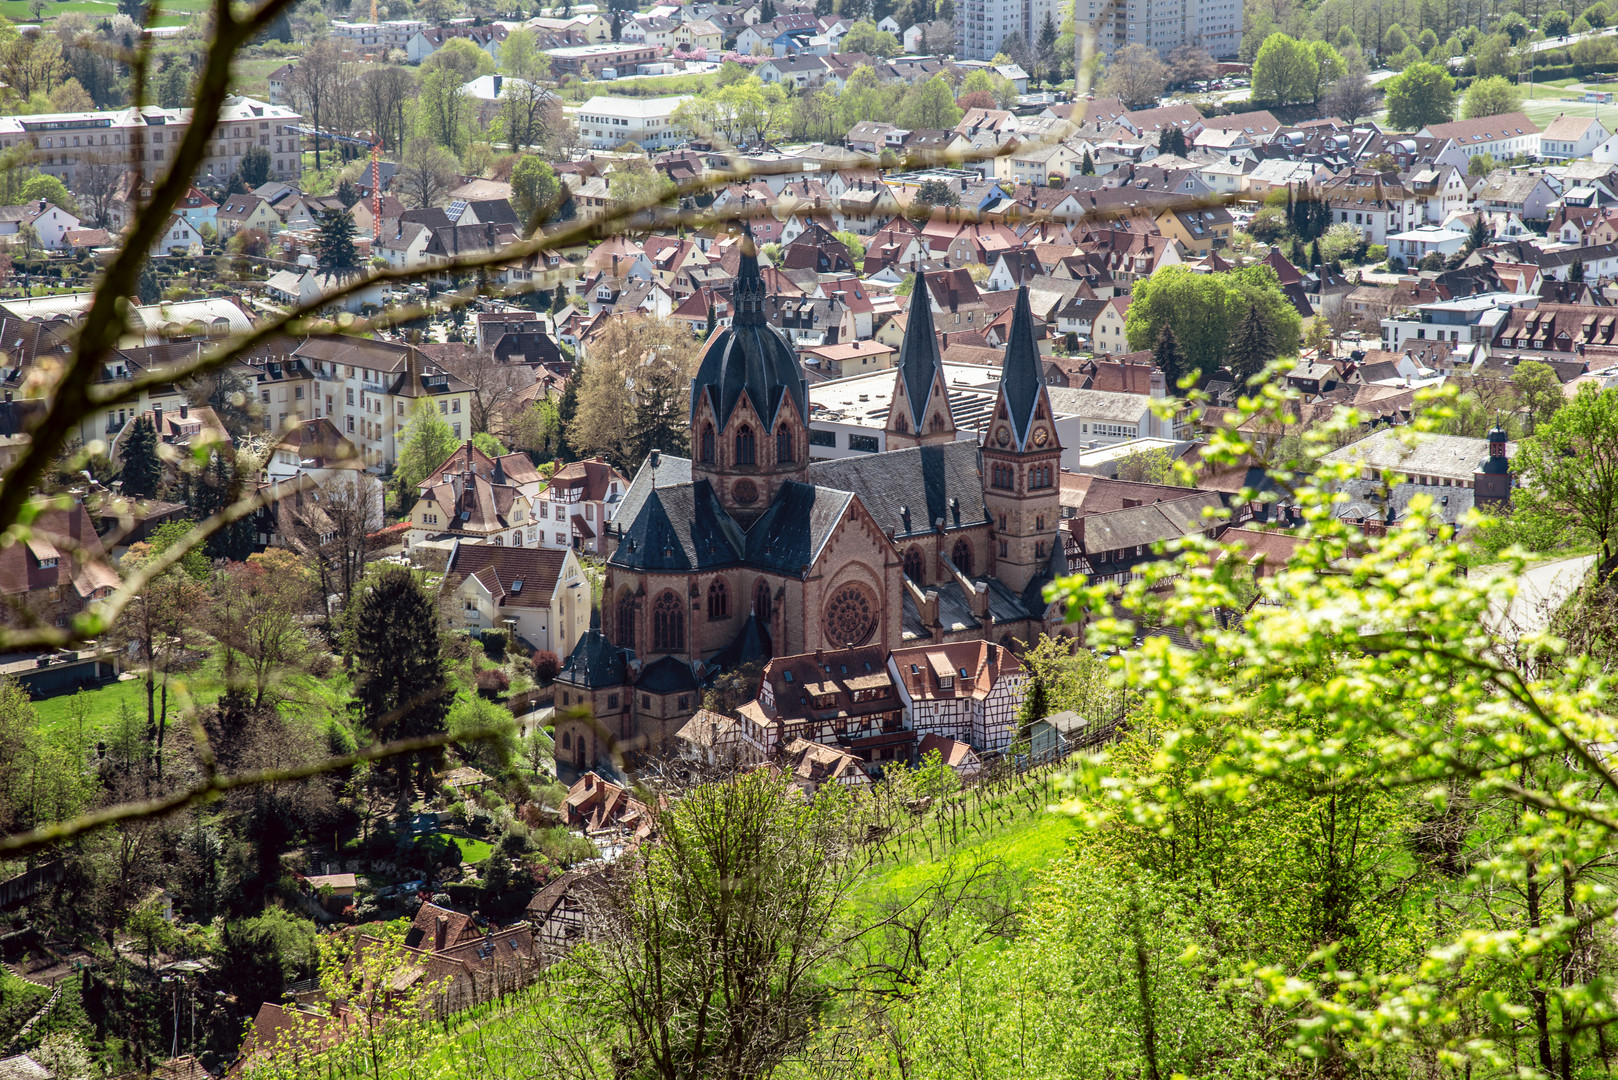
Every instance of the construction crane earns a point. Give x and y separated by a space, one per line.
375 146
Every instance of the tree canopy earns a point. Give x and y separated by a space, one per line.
1204 310
1424 94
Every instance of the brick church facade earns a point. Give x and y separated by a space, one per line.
747 550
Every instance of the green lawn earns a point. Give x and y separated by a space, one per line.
1026 845
174 13
472 851
298 696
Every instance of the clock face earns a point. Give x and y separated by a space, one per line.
1040 436
1003 436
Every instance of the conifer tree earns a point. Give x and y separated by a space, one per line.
1168 357
1314 255
399 673
1251 346
334 245
1088 166
142 471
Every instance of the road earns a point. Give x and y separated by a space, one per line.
1563 42
1540 591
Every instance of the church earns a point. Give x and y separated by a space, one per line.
748 549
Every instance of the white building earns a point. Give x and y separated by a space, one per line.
1212 25
544 596
981 25
1413 245
1472 320
1571 137
606 123
1502 137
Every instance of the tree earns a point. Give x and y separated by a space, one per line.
633 396
260 611
334 243
1252 346
443 108
399 669
141 471
1555 23
254 167
520 56
1491 97
493 382
1204 310
427 173
337 541
930 105
1515 27
1424 94
1480 165
1168 358
1477 235
1352 95
531 115
1171 140
52 190
233 396
1284 71
384 93
719 934
931 194
159 624
1190 64
318 82
1540 390
864 37
1087 167
426 442
1136 76
1569 471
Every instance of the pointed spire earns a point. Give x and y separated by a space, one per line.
747 295
1022 376
918 355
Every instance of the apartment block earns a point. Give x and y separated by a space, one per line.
65 143
1214 26
981 25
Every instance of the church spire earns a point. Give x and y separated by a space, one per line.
920 413
747 295
1022 375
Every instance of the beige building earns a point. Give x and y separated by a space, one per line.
65 143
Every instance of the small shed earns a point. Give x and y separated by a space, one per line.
1054 737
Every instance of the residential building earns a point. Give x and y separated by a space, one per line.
1570 137
1472 320
1214 26
578 506
1422 457
967 691
57 572
367 387
542 596
63 144
1503 137
981 25
604 61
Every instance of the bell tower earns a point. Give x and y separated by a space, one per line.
749 404
920 414
1022 460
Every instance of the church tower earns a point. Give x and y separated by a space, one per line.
1021 460
920 413
749 404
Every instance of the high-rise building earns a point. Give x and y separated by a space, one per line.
982 26
1214 26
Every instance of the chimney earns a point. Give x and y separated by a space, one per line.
185 410
653 457
441 933
497 86
157 417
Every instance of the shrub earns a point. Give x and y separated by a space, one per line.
493 682
1376 253
494 643
547 665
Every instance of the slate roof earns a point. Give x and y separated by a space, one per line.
1023 376
594 661
918 357
750 357
790 534
931 482
669 675
681 527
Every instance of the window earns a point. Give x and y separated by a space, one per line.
1003 476
783 446
1004 550
744 445
822 438
350 395
668 624
961 556
866 444
457 431
455 407
707 444
761 600
914 566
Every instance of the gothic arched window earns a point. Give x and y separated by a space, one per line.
668 624
962 557
707 444
783 445
718 601
901 425
914 566
626 620
744 445
761 600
